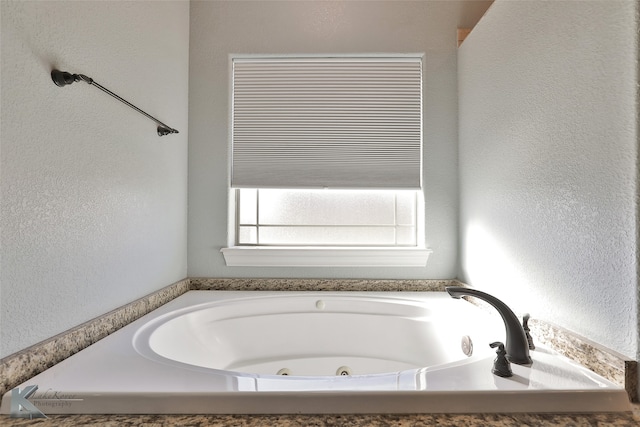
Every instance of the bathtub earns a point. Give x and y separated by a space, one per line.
226 352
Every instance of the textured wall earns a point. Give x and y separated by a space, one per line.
222 28
548 155
93 202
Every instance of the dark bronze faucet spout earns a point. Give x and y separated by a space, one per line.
516 346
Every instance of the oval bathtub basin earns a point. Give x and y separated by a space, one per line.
318 335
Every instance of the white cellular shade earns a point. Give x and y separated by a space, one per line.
327 122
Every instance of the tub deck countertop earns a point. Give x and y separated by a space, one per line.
349 420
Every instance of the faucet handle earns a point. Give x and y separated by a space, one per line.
525 326
501 366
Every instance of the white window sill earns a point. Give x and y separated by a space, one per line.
325 257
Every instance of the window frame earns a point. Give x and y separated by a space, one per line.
318 256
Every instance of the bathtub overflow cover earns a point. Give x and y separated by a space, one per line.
467 345
284 371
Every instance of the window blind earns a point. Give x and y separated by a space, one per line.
327 122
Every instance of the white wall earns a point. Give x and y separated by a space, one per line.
548 163
225 27
93 202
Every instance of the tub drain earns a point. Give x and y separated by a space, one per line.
343 371
284 371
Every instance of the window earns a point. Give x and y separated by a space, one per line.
326 161
270 217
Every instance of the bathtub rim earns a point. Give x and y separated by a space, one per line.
593 407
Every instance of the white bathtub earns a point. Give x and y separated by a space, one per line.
341 352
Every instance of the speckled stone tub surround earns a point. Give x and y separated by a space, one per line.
605 362
19 367
321 285
356 420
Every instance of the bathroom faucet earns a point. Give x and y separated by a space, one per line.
517 346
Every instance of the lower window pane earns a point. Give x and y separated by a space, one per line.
327 207
406 236
248 235
327 217
327 236
406 208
